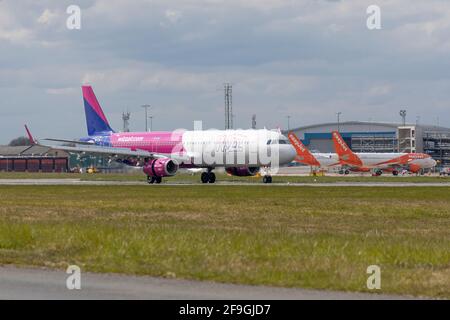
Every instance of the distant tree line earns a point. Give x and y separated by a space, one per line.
20 141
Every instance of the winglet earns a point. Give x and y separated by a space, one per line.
303 154
345 154
30 137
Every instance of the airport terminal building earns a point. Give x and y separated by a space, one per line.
380 137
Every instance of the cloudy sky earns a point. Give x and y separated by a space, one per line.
305 58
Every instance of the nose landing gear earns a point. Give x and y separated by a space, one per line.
267 179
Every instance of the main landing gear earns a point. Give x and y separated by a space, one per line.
267 179
152 179
208 177
378 173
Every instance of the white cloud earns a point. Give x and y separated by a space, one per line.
173 15
380 90
62 91
47 17
10 29
16 36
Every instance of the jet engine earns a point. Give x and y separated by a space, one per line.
242 171
161 167
414 168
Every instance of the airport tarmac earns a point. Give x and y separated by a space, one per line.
218 183
29 283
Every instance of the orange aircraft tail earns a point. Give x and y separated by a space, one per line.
345 154
303 154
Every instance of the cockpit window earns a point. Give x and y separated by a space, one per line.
282 141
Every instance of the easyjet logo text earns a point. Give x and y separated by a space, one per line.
297 143
340 142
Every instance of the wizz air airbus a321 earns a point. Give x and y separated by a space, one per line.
347 160
161 154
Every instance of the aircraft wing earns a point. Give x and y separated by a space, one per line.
396 162
106 151
397 165
90 148
69 141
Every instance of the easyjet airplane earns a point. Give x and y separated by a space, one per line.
361 162
161 154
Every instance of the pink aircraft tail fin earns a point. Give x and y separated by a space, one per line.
96 121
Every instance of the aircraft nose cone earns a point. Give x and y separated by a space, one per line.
288 154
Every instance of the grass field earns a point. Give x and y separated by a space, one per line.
318 237
138 176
